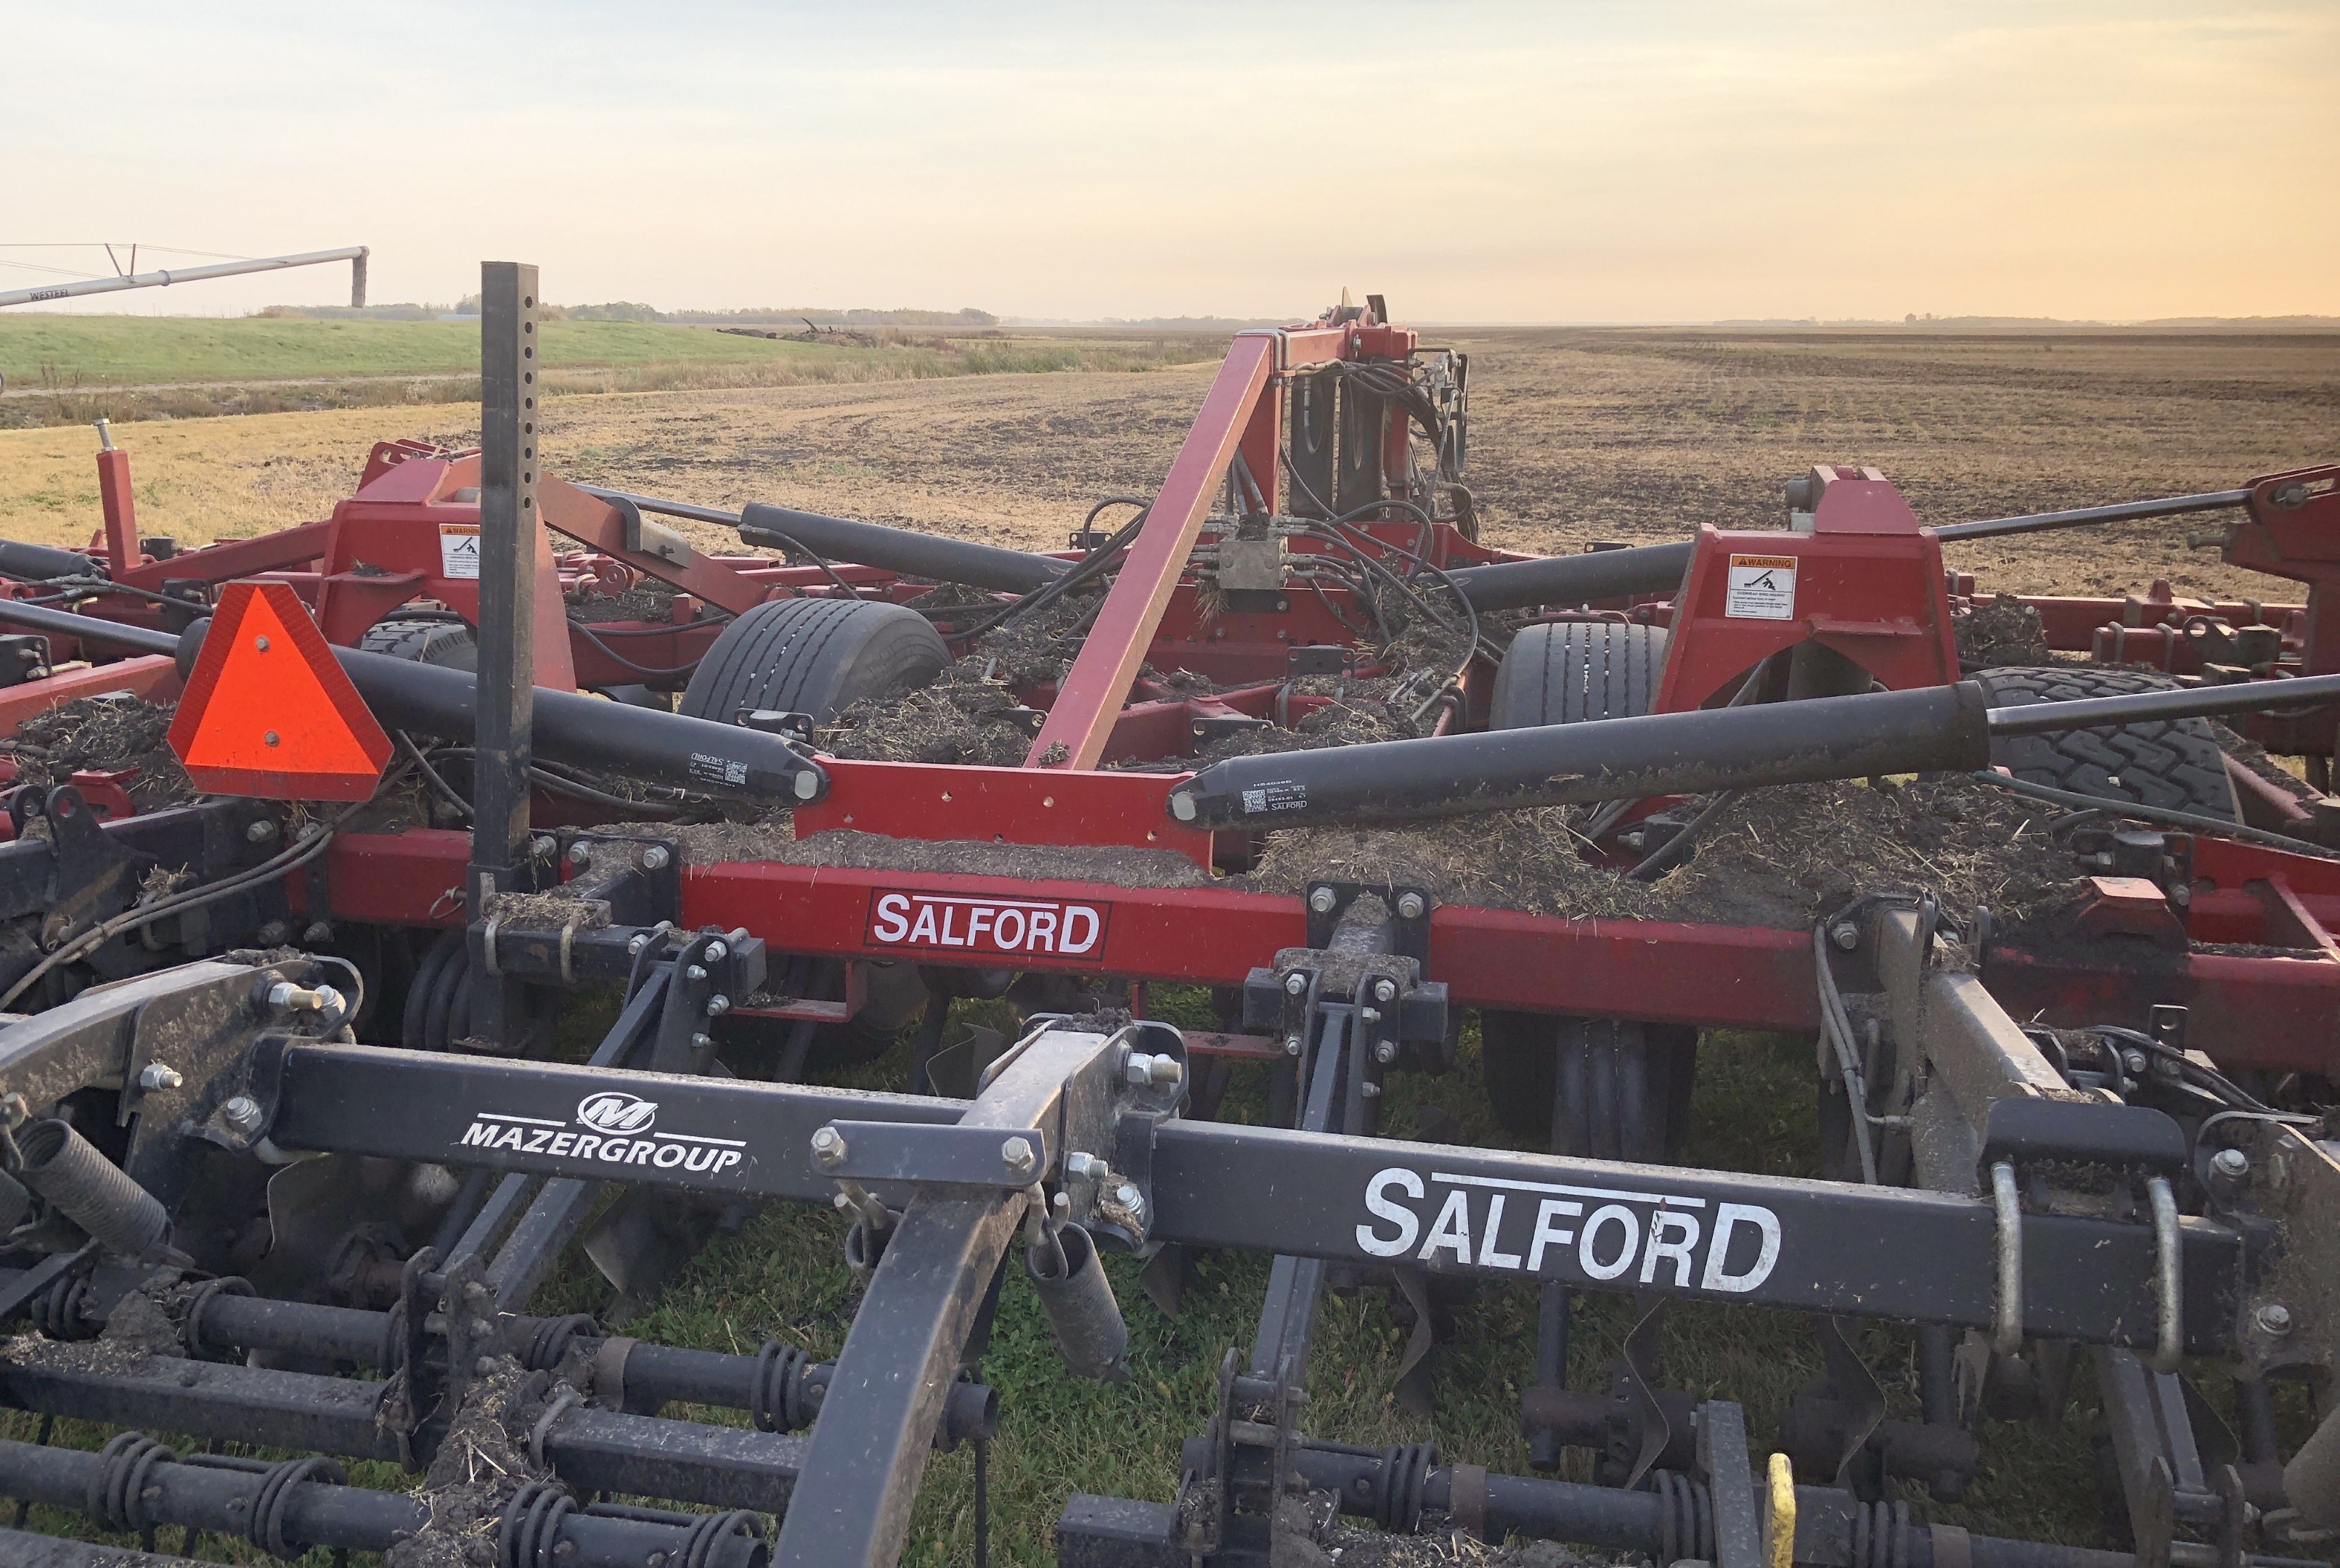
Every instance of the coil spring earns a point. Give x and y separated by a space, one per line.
1880 1536
778 1399
530 1531
553 1337
191 1325
1686 1516
61 1311
266 1528
709 1534
1397 1490
116 1497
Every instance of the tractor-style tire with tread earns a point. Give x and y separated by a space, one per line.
449 644
1568 672
2174 764
813 656
1575 672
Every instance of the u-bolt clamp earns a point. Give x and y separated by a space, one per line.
2168 1283
2007 1329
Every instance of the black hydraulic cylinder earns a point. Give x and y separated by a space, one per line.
1938 729
40 562
898 549
2087 516
582 731
1574 578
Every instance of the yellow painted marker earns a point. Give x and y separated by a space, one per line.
1783 1512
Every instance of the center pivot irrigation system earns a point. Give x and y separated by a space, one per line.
287 1155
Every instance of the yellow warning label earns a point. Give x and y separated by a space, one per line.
1761 588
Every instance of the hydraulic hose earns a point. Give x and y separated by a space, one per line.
898 549
1574 578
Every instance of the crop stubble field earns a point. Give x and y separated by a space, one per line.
1579 435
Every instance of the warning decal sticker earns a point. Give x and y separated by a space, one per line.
1761 588
458 550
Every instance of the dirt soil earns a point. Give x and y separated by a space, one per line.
104 734
2003 631
1781 857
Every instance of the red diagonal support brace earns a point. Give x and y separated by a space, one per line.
1090 699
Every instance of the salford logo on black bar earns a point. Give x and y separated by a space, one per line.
1592 1234
1004 927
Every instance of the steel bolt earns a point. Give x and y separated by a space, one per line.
1295 983
543 847
580 853
2134 1062
829 1147
694 972
655 857
1321 900
1371 1015
317 934
272 933
1127 1195
1386 1051
156 1076
1017 1155
717 1005
1081 1165
259 832
1384 991
261 643
702 1042
267 738
716 952
15 1110
1291 1044
242 1113
1845 935
2275 1318
1409 906
1371 1091
2232 1164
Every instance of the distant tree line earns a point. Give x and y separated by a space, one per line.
634 311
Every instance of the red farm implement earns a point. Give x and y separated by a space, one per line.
282 1088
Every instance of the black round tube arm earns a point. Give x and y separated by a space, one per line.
899 549
1574 578
2090 516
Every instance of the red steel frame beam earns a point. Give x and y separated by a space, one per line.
154 676
1089 701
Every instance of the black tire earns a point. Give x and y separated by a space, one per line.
1568 671
813 656
1572 672
2175 764
1624 1075
449 644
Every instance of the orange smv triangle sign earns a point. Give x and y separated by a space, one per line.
268 710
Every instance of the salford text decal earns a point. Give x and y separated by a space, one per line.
1005 928
1595 1234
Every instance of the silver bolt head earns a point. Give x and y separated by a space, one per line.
1127 1195
828 1146
1845 935
1017 1155
261 832
1409 906
1291 1044
716 952
2275 1318
717 1005
1371 1015
655 857
1385 1052
1385 991
242 1113
156 1076
544 846
2134 1061
1080 1165
1371 1091
2233 1163
1321 900
1295 983
580 853
1166 1070
695 971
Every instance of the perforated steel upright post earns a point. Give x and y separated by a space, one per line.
508 552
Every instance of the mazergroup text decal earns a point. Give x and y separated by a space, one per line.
621 1130
1596 1234
1004 927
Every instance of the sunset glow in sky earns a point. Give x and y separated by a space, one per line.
1654 160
